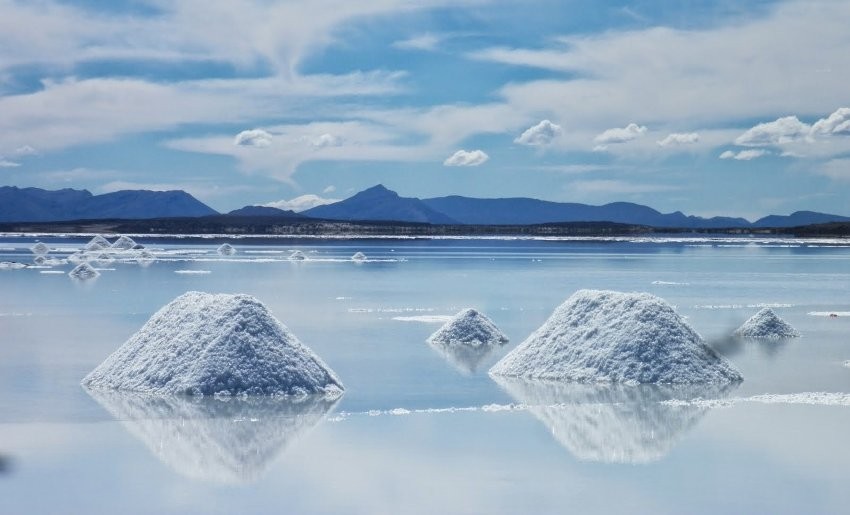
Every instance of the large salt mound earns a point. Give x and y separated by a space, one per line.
619 337
84 271
766 324
124 243
97 243
468 328
206 344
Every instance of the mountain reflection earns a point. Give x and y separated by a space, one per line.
219 440
613 423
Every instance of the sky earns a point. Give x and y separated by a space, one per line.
706 107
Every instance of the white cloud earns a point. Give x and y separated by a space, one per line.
253 138
679 138
467 158
25 150
744 155
5 163
540 135
781 131
330 189
620 135
326 140
837 123
302 203
427 42
838 169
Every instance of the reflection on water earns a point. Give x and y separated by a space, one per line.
613 423
733 345
465 358
5 464
218 440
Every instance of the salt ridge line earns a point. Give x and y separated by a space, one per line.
804 398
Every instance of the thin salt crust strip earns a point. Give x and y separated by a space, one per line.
829 313
193 272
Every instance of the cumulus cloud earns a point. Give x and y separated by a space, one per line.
837 123
780 131
467 158
539 135
326 140
620 135
253 138
744 155
679 138
25 150
302 203
5 163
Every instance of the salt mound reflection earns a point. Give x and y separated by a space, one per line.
464 358
230 441
614 423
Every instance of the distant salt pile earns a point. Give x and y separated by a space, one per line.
208 344
40 248
766 324
145 257
123 243
104 259
468 328
607 336
84 271
359 257
39 259
97 243
297 255
79 257
11 265
226 249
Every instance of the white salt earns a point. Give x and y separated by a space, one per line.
215 344
124 243
226 249
97 243
468 328
607 336
11 265
297 255
766 324
84 271
358 256
40 248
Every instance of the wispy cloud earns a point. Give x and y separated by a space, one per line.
253 138
426 42
619 135
678 138
744 155
539 135
5 163
301 203
467 158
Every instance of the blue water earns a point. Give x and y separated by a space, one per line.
63 450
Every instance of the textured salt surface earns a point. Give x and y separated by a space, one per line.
428 319
97 243
123 243
226 249
297 255
621 337
229 441
84 271
766 324
40 248
613 423
11 265
358 256
215 344
469 328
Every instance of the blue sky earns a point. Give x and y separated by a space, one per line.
707 107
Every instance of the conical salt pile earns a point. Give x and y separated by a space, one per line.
84 271
124 243
226 249
766 324
468 328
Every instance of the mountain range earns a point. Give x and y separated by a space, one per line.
373 204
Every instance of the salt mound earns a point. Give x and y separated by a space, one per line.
104 258
124 243
145 257
205 344
226 249
219 440
766 324
97 243
84 271
358 256
39 259
40 248
11 265
297 255
619 337
468 328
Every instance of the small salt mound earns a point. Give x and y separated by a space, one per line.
124 243
145 257
297 255
619 337
766 324
104 258
207 344
226 249
358 256
39 259
84 271
11 265
40 248
79 257
468 328
97 243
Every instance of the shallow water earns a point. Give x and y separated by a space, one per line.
419 431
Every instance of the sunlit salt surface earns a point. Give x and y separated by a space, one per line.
419 431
